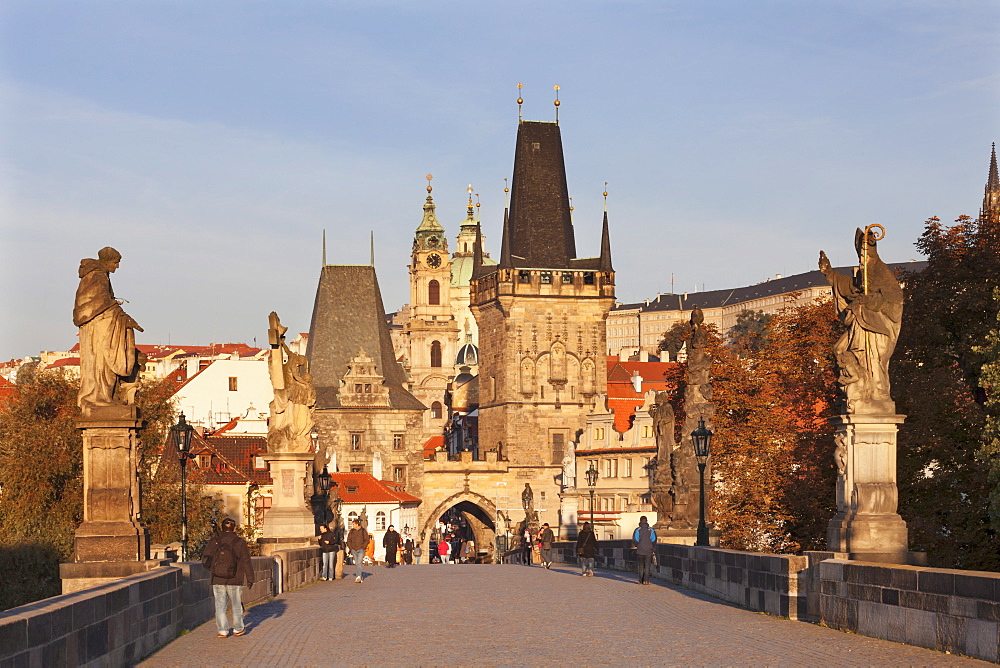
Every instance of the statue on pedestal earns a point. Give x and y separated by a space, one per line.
291 422
109 364
870 304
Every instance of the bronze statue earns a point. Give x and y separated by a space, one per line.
870 304
290 427
107 337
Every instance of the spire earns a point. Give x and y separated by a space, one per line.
477 253
606 245
372 263
430 222
324 248
990 210
505 260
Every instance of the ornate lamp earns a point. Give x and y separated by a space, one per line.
181 434
592 476
702 439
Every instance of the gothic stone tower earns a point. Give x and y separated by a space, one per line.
431 332
541 314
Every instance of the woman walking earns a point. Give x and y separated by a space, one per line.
586 549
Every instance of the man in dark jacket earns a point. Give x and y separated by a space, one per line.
586 549
357 542
391 544
228 560
546 537
644 542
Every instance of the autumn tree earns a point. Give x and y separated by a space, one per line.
749 334
772 454
937 374
673 340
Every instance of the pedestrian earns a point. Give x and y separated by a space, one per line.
370 550
644 542
586 549
357 541
444 551
407 549
390 541
328 548
468 551
227 558
417 553
545 540
526 547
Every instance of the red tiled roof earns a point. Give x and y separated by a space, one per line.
364 488
623 400
65 361
432 444
7 390
232 459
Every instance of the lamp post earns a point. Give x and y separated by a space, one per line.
181 435
702 439
592 476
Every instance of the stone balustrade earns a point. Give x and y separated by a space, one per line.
120 622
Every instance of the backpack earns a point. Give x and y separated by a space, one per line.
222 563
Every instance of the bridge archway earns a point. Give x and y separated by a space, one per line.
478 512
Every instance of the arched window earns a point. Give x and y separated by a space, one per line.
380 521
435 353
351 516
435 410
433 293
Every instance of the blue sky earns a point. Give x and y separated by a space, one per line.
211 143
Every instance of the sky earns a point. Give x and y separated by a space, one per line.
212 143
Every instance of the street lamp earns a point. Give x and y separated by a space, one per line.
702 439
592 476
181 435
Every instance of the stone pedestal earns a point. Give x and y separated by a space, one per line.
867 526
569 520
289 522
111 542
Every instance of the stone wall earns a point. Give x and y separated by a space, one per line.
948 610
768 583
119 623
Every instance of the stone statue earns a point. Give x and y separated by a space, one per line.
108 357
569 468
528 499
291 423
870 305
662 414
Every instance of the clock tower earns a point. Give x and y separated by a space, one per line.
432 332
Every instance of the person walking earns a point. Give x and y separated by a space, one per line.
407 549
526 547
444 551
390 541
644 542
328 548
357 543
586 549
545 540
228 560
417 553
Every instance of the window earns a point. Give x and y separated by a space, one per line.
355 441
433 293
397 441
567 277
627 468
368 388
645 469
357 468
357 388
380 521
524 277
351 516
435 353
647 431
204 461
558 445
546 277
436 410
232 383
610 468
588 278
259 463
399 473
598 433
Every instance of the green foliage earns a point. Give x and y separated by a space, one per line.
773 447
940 383
989 452
749 334
30 572
673 340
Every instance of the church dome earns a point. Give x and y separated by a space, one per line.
461 269
468 355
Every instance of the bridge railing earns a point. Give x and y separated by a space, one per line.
120 622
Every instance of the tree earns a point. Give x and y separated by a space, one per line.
673 340
773 447
937 373
749 334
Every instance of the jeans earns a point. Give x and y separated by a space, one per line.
359 557
587 565
329 569
645 563
416 558
226 595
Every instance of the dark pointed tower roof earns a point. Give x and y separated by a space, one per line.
606 245
348 317
990 210
540 229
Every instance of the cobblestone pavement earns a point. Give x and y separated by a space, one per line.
517 615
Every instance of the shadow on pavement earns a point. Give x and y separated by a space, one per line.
262 611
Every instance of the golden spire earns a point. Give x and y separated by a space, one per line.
477 207
429 177
520 101
506 194
605 197
556 89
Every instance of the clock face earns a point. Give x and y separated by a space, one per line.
434 260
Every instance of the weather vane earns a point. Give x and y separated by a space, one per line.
556 89
506 193
520 101
605 196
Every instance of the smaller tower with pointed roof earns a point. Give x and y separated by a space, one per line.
990 211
